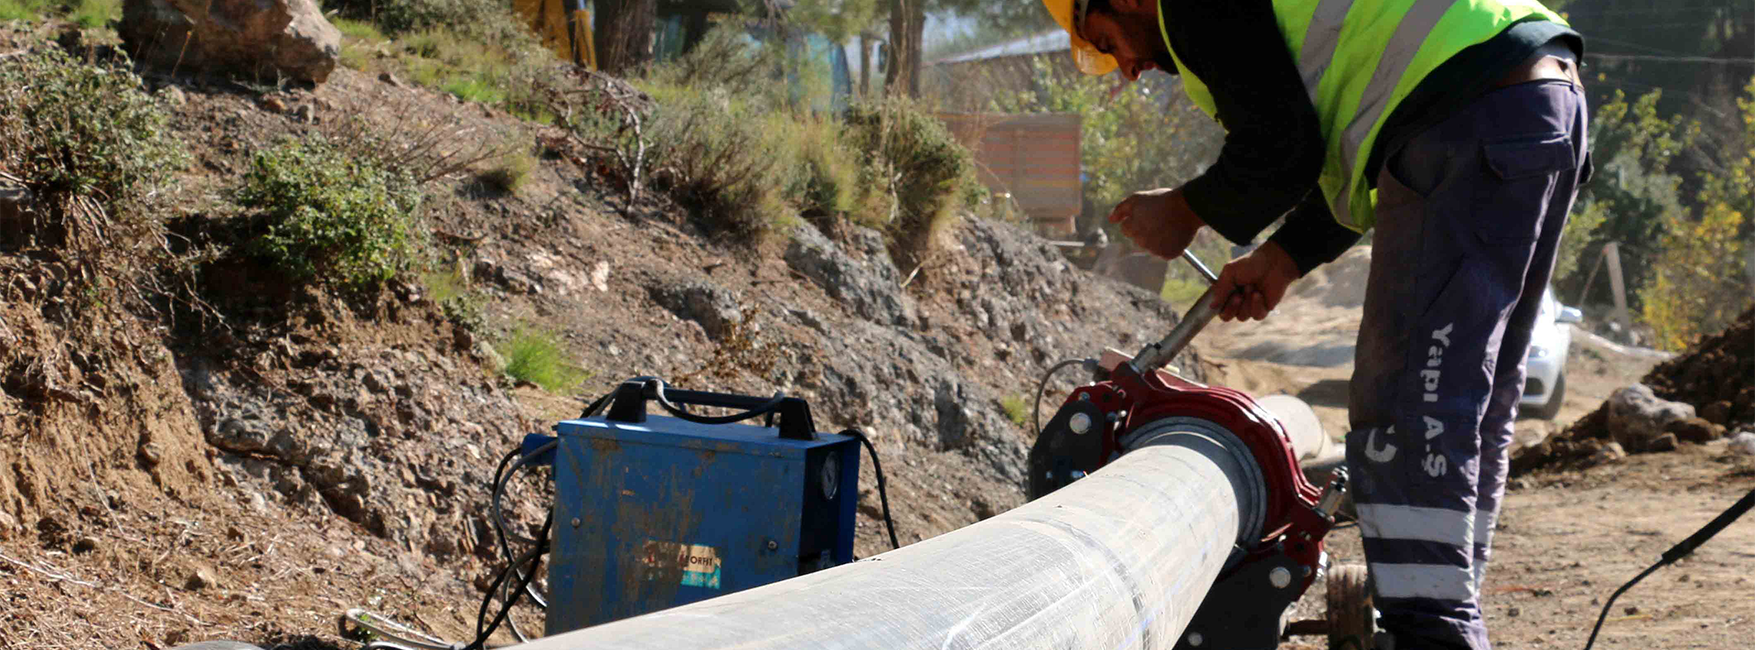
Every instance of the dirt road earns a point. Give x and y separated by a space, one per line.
1565 540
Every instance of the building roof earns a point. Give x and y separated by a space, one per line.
1054 40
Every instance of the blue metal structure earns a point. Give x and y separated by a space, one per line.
655 512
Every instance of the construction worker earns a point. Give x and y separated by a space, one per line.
1451 130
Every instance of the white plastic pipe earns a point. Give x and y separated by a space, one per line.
1119 559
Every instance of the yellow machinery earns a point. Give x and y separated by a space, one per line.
564 26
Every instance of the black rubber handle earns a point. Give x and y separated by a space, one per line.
628 404
1719 523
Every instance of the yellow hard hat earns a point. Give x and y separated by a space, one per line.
1069 13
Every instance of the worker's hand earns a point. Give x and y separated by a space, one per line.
1158 221
1251 286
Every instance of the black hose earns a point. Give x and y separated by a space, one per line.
484 630
883 490
501 478
1677 552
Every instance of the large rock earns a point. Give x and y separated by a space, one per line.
1637 417
711 305
870 287
265 39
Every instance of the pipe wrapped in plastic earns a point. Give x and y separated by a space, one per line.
1119 559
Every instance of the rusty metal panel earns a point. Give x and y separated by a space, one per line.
1033 159
659 514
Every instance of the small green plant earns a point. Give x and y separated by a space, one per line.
332 215
450 290
359 30
827 178
96 13
474 89
536 356
22 9
1017 409
511 171
359 40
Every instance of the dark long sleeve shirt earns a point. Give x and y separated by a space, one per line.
1273 149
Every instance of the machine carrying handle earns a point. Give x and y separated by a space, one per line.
628 404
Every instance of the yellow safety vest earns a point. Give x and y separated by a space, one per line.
1359 59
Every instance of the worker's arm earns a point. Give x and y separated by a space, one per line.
1311 236
1251 286
1273 147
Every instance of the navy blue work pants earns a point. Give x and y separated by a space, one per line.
1468 216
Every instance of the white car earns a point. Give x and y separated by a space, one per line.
1544 384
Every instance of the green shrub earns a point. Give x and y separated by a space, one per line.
827 177
474 89
22 9
727 159
537 357
80 137
930 173
331 215
510 172
359 30
96 13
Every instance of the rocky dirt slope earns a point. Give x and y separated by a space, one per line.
166 482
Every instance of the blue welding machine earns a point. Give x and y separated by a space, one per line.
652 512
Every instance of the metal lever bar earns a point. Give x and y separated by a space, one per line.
1199 267
1157 354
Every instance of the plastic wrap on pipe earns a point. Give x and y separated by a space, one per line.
1309 441
1119 559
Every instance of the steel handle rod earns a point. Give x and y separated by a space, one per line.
1157 354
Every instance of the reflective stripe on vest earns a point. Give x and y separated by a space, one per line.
1358 60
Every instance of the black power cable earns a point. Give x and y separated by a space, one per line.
505 548
484 629
1677 552
1042 388
883 490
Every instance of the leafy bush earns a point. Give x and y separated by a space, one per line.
1703 274
331 215
724 58
929 174
1635 196
23 9
510 172
725 158
491 20
90 144
359 30
96 13
537 357
827 175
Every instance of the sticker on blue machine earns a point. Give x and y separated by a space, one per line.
693 564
